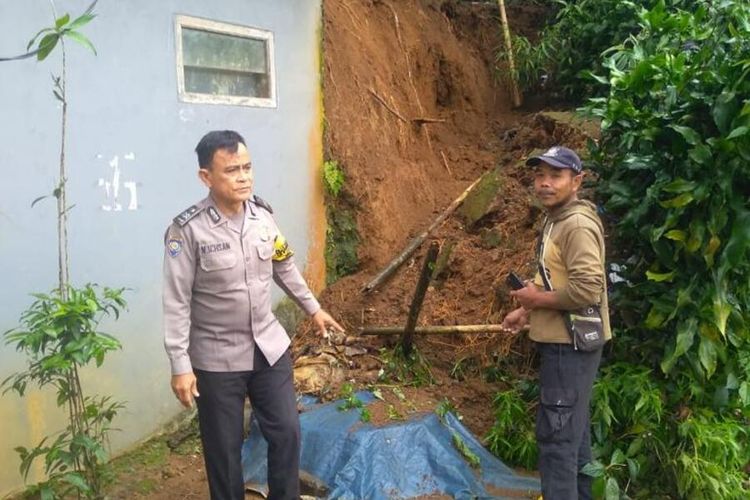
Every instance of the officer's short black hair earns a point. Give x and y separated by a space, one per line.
216 139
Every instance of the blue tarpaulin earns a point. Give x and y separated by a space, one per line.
405 459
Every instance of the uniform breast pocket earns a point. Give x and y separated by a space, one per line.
218 262
265 264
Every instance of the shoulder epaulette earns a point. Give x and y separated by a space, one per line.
187 215
262 203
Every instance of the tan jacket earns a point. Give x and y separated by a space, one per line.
574 260
217 288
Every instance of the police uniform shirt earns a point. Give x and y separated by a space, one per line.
217 288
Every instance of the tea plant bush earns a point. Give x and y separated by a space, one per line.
671 407
674 177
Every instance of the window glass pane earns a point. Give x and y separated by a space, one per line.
222 64
209 81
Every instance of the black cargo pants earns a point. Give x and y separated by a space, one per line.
220 414
563 423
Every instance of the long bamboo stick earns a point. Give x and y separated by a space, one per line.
437 330
514 92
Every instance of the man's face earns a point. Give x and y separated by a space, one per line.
230 177
555 186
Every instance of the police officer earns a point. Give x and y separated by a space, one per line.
223 341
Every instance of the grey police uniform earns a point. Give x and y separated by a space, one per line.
217 288
219 324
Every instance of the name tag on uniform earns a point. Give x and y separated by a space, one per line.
209 248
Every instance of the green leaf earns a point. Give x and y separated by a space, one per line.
738 132
701 154
81 21
659 277
31 42
678 201
676 235
739 241
62 21
721 311
594 469
685 336
633 469
46 45
680 185
38 199
724 111
691 136
707 354
744 393
654 319
47 493
81 39
713 244
618 457
76 480
613 490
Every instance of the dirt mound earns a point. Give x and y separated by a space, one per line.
415 113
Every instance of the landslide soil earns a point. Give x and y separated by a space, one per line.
416 110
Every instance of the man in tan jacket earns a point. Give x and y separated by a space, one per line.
572 257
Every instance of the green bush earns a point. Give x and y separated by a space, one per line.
512 437
674 177
570 48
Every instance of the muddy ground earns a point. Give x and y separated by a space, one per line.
416 110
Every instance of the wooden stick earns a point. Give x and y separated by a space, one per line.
415 242
387 106
434 330
514 92
416 302
445 162
423 120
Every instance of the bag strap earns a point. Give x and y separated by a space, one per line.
541 250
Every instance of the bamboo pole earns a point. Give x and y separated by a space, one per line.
419 293
514 92
389 269
434 330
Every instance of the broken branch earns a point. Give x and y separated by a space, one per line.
414 243
416 303
387 106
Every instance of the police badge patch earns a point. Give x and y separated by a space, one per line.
174 246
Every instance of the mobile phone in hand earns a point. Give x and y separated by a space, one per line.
514 281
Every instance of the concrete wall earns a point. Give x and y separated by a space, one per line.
124 111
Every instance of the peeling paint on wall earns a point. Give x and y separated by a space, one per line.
112 186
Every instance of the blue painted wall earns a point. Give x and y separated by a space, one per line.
124 108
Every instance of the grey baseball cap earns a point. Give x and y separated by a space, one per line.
559 157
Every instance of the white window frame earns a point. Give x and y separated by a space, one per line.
182 21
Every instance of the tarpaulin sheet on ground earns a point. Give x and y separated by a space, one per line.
404 459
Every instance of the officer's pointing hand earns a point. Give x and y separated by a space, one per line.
323 321
185 387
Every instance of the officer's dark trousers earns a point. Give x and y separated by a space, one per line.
220 413
563 424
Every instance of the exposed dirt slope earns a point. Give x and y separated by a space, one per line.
415 113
